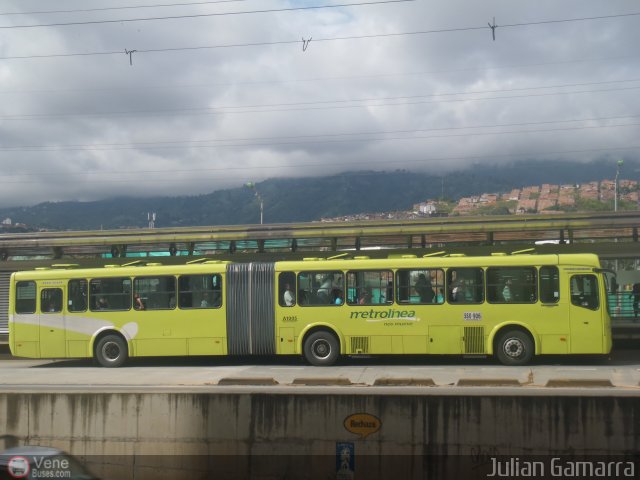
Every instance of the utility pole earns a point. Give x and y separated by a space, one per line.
252 186
616 186
615 207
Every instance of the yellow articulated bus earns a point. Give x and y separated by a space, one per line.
510 306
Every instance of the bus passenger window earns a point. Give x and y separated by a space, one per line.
77 292
287 289
320 288
200 291
511 285
465 285
110 293
584 291
370 287
51 300
549 285
424 286
26 297
154 293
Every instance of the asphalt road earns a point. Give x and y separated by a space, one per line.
621 370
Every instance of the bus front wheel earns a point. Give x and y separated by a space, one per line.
111 351
321 348
514 347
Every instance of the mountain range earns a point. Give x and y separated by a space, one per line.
309 199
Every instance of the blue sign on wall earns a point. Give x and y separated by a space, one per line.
345 460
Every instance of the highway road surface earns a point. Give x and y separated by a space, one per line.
621 371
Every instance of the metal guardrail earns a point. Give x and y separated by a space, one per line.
489 230
624 306
625 315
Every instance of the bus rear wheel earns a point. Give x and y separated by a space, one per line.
321 348
111 351
514 347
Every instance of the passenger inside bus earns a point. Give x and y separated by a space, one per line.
424 289
457 292
51 300
337 296
324 291
138 304
289 298
327 282
366 298
206 301
507 295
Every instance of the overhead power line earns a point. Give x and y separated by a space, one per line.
203 15
565 20
291 42
129 7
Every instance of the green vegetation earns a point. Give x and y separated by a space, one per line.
589 205
445 207
500 208
627 205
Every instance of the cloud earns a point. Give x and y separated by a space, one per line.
191 121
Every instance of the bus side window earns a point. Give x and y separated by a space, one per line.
199 291
549 285
403 285
584 291
77 292
110 293
320 287
465 285
51 300
154 293
370 287
424 286
287 289
26 297
512 285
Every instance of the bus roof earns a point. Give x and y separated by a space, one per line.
405 261
142 269
342 263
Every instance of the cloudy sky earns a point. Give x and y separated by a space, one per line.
217 97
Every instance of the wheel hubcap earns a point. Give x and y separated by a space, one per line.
111 351
321 348
513 347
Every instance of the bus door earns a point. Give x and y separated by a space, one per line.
52 322
585 314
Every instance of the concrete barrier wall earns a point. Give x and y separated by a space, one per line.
276 435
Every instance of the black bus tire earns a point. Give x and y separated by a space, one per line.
514 347
111 351
321 348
